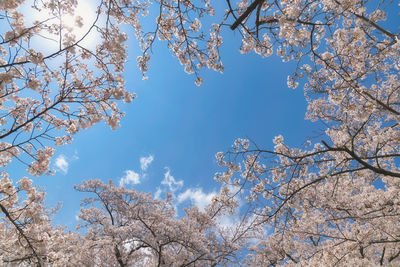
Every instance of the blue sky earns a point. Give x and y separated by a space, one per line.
180 125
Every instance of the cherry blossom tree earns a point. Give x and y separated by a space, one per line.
55 82
28 237
118 227
50 93
129 228
334 202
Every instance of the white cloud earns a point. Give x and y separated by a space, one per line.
62 164
157 194
197 197
228 221
170 181
145 162
77 216
75 156
130 177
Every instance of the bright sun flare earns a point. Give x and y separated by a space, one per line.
82 19
79 23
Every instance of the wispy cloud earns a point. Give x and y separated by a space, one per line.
170 181
75 156
197 197
130 177
77 215
145 162
157 194
62 164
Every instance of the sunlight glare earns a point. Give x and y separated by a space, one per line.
83 18
79 23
